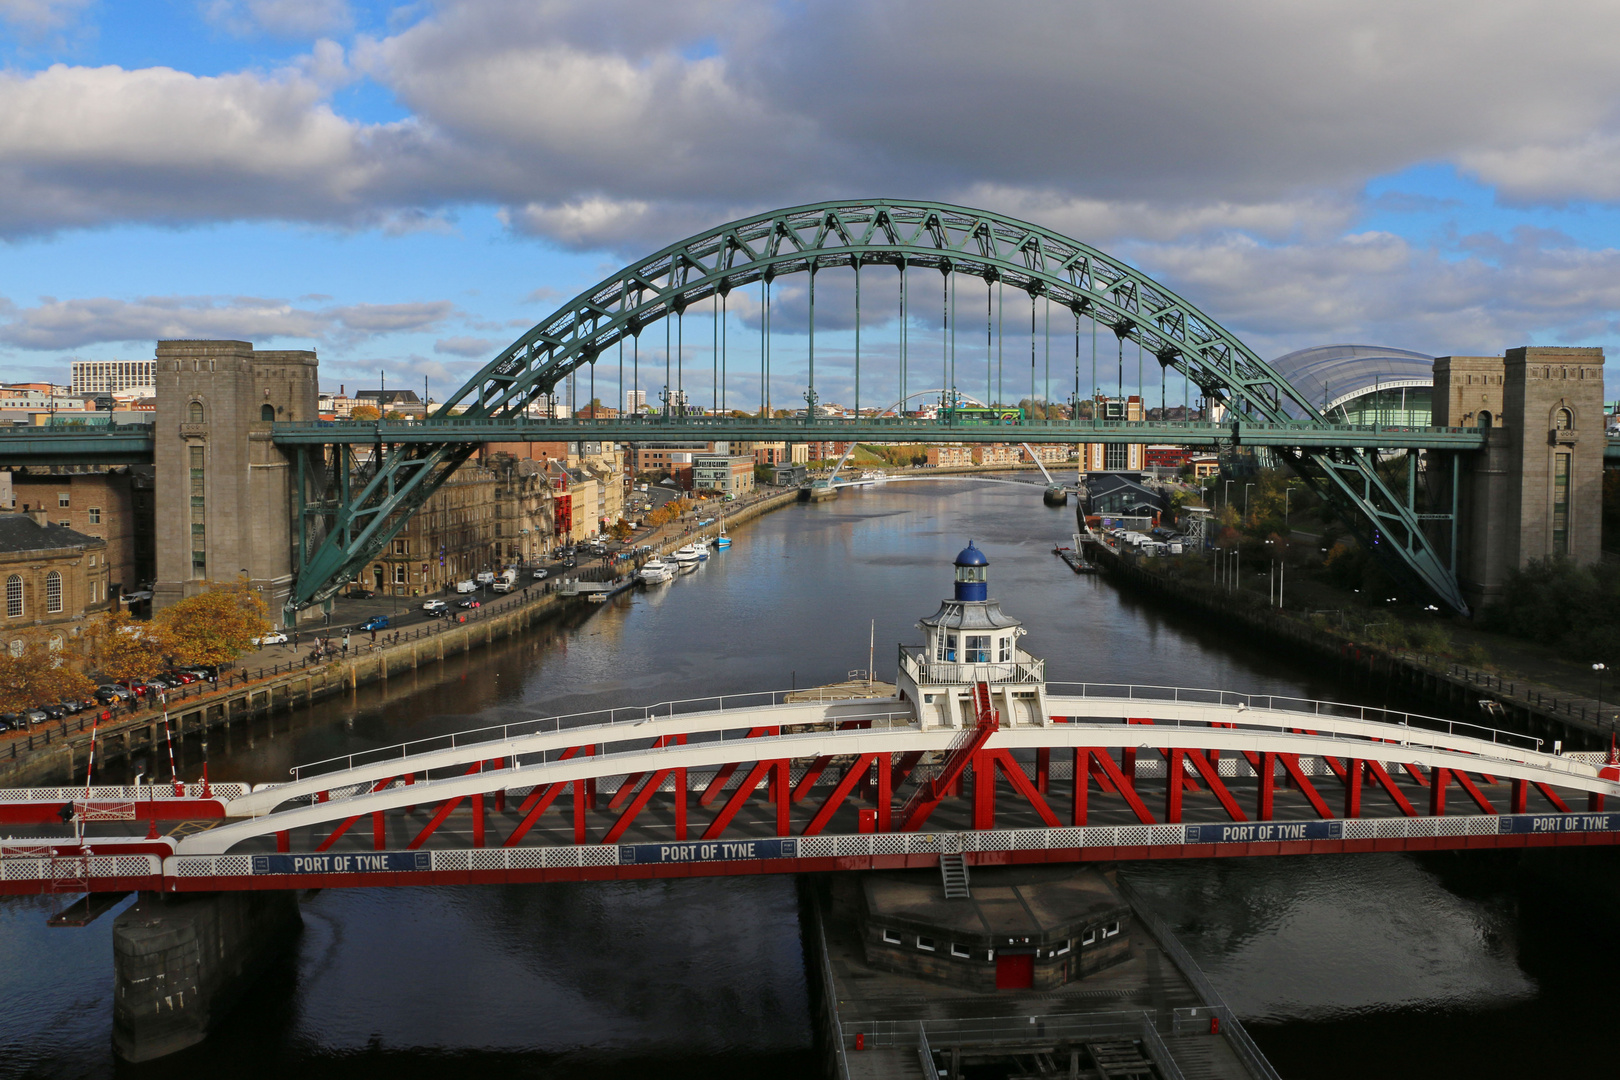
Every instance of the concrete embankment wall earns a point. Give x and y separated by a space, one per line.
1435 680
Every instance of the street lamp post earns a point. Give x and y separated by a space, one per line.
1600 669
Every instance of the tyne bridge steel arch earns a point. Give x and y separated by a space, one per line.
356 526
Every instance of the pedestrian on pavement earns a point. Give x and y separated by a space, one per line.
295 641
374 637
345 648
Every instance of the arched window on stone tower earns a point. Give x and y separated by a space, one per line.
1484 418
194 412
267 412
1563 420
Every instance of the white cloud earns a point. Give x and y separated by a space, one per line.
76 323
38 16
485 348
1378 288
282 18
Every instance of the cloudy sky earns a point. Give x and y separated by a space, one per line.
409 186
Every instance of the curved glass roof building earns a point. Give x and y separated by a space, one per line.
1363 384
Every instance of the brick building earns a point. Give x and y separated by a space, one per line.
949 455
113 505
997 454
450 539
50 575
728 474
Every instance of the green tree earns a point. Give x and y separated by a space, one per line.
216 626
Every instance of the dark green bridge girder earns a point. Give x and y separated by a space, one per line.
862 233
875 430
76 444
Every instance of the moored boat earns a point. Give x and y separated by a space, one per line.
655 572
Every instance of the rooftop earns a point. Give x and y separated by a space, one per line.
20 532
1329 375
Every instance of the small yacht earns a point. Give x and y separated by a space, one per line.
687 554
655 572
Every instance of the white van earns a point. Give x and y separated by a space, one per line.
484 577
466 586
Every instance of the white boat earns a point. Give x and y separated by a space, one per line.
655 572
687 554
688 567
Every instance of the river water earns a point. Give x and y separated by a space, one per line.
1391 966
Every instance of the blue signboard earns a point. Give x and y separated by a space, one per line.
1558 823
368 863
706 851
1262 832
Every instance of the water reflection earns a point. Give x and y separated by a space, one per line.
1352 965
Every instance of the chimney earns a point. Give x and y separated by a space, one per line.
37 517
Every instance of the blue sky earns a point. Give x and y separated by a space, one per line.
410 186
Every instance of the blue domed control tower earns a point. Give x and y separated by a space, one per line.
970 640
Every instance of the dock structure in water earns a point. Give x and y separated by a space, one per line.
1134 1004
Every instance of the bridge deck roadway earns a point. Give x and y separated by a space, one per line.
893 429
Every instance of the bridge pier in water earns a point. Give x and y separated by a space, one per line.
182 960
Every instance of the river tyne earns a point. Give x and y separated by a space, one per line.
1479 965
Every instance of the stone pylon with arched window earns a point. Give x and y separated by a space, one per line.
223 489
1536 490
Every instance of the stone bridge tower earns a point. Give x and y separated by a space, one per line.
224 491
1536 490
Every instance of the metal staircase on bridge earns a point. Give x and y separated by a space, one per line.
929 793
953 872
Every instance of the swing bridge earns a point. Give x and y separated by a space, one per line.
1012 771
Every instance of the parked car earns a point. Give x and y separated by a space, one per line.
185 678
55 712
133 686
541 574
376 622
72 706
12 721
36 716
434 605
275 637
359 593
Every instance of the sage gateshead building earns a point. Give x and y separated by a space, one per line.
1363 384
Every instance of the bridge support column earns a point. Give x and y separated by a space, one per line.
180 961
1352 787
1521 796
1172 787
1268 786
1438 779
984 791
